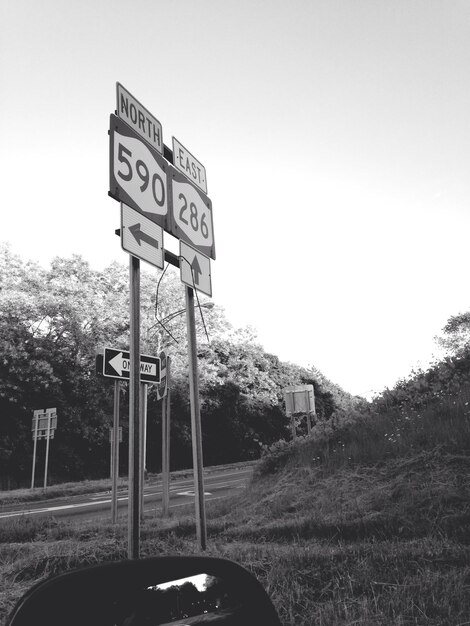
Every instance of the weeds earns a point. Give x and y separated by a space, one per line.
366 522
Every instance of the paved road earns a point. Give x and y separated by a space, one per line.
217 484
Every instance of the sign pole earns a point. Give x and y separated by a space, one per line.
195 421
115 451
164 455
36 417
111 461
166 444
143 443
49 418
134 411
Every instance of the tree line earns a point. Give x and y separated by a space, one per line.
54 320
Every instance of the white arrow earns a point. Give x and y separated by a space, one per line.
117 363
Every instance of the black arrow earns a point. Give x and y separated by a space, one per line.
140 236
196 270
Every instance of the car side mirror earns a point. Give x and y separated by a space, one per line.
155 591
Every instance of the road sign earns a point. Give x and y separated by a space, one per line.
111 434
137 173
191 214
195 269
299 399
189 165
162 388
44 421
141 237
139 118
117 364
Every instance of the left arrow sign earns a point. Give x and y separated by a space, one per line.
116 364
141 237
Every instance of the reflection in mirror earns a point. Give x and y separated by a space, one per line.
198 599
156 591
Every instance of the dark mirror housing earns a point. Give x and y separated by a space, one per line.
149 592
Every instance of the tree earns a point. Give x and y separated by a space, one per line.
52 323
456 338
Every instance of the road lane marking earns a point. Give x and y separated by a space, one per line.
191 493
173 488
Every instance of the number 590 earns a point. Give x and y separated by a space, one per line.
142 172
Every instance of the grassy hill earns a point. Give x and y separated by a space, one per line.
366 522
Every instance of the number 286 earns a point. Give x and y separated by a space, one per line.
190 215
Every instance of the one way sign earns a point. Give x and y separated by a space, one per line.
117 364
195 269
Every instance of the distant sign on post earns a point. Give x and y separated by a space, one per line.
117 364
139 118
111 434
141 237
138 173
191 214
195 269
299 399
44 422
189 165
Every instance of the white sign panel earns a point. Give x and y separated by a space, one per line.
139 118
189 165
139 174
195 269
191 212
299 399
141 237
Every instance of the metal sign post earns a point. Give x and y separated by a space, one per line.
134 412
143 444
43 427
115 451
166 444
169 189
48 437
196 421
35 437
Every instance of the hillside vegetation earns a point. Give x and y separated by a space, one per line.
365 522
53 322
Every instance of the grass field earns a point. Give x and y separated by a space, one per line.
344 528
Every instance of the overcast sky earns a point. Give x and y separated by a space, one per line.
336 140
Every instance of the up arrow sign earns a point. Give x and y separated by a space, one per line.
116 364
195 269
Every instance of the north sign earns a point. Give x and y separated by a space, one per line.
138 174
117 364
139 118
195 269
141 237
